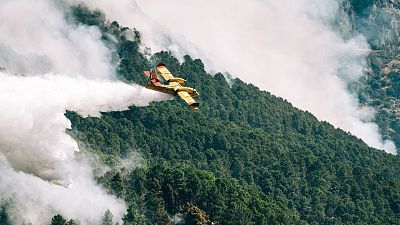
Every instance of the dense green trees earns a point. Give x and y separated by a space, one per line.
246 157
163 191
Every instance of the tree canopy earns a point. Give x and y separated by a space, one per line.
246 157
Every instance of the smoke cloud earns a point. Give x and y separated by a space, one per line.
40 40
286 47
33 111
52 66
33 200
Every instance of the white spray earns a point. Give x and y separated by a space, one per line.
52 66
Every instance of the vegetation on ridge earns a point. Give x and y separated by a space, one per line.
246 157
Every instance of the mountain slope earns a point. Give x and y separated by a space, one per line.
247 157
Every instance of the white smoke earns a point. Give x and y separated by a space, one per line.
33 200
33 111
128 13
38 33
286 47
52 66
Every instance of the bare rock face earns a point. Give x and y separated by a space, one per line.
379 22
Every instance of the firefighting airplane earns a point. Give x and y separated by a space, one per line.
171 86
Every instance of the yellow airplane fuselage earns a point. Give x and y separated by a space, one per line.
171 85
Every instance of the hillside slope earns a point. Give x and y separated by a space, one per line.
247 157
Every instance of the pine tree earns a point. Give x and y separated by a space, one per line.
58 220
108 218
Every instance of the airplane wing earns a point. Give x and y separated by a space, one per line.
189 100
165 72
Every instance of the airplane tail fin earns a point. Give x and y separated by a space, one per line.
154 74
151 75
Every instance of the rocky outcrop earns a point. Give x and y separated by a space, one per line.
379 22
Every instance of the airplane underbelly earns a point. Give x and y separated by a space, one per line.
161 89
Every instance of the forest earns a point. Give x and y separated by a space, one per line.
246 157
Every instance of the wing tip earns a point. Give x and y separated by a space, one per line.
194 106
